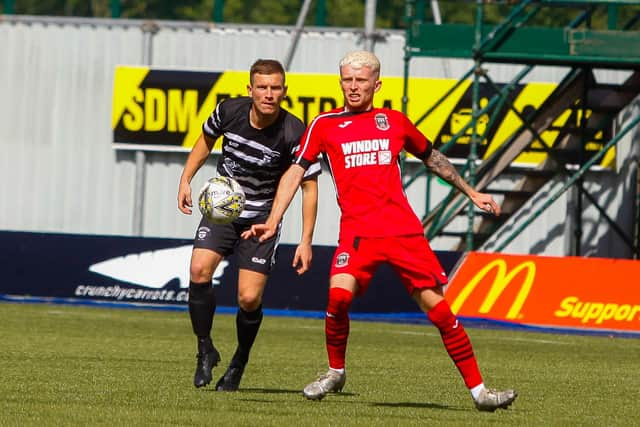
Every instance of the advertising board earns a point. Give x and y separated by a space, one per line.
594 294
163 110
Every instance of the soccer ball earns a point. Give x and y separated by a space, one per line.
221 200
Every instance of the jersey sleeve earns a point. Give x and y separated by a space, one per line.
313 169
310 147
212 127
415 141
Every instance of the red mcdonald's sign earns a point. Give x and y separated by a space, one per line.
556 292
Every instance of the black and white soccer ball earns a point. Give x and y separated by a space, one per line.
221 200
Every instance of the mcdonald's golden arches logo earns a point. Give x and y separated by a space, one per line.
501 281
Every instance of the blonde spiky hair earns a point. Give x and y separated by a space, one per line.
361 58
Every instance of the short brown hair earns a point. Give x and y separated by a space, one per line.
266 66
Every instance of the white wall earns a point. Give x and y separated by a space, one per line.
58 170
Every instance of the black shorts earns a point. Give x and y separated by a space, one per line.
225 239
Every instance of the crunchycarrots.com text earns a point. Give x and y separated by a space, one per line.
120 293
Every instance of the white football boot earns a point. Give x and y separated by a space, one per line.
489 399
332 381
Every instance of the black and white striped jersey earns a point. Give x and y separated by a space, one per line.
256 158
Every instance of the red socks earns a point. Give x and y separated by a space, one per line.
457 343
454 337
336 326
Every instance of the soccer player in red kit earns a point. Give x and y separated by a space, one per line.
361 145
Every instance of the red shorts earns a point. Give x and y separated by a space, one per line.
410 257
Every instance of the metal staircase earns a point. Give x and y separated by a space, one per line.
579 113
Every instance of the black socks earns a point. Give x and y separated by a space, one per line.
202 307
247 326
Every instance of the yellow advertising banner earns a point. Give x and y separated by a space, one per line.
164 110
555 292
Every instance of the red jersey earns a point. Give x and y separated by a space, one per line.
362 151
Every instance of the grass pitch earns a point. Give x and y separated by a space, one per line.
67 365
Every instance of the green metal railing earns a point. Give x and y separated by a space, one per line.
511 41
115 6
492 107
9 7
570 182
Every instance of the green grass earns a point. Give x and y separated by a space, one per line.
62 365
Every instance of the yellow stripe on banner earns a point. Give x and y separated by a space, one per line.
127 80
423 94
531 97
311 94
173 105
230 84
609 159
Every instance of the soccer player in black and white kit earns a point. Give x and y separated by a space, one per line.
259 142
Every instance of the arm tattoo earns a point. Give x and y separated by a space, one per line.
441 166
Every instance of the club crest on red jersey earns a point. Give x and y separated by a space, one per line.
382 122
342 260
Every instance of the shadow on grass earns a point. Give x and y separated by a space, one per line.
285 391
252 390
269 391
332 396
418 405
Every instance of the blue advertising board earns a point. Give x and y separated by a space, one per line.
155 271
